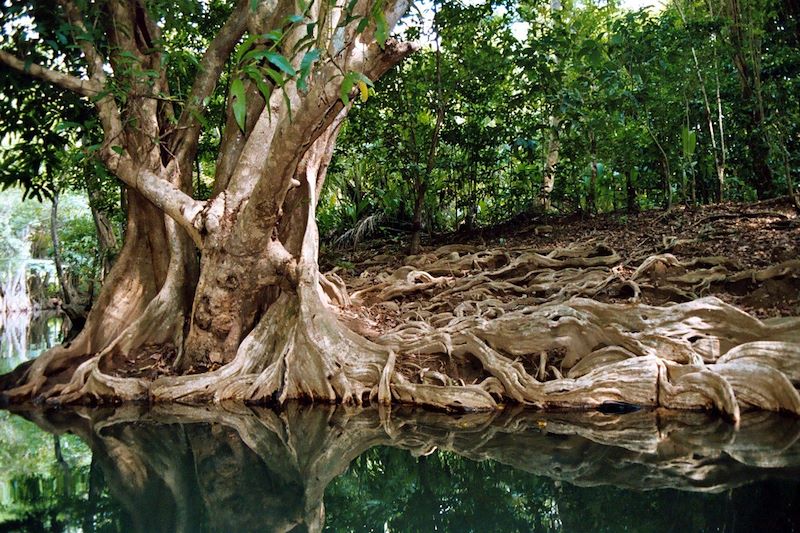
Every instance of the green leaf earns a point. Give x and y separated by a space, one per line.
689 141
305 68
253 5
294 19
381 28
281 62
258 78
347 86
308 60
198 117
685 140
362 77
239 103
595 57
244 47
276 76
66 125
274 35
118 149
362 25
288 103
252 56
303 43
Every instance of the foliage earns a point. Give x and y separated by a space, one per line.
25 234
393 490
647 106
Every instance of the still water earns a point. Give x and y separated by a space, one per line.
235 468
24 336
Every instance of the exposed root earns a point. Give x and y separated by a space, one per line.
560 328
540 342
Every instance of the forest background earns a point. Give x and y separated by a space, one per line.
508 109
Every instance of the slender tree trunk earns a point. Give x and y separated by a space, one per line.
719 163
667 174
749 78
550 164
66 292
630 189
553 143
591 196
421 185
788 171
723 153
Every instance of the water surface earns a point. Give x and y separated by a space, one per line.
235 468
24 336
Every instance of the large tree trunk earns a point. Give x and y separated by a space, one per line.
257 235
420 187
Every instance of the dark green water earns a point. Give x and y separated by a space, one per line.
242 469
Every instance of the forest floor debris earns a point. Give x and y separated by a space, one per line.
739 239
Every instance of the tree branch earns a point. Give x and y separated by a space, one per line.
178 205
93 57
211 65
106 106
88 88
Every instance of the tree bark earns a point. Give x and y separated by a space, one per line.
421 185
631 206
591 194
416 220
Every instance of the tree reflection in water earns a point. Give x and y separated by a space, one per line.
234 468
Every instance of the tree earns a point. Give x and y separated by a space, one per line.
292 69
218 277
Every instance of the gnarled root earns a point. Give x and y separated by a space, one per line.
298 350
525 335
521 332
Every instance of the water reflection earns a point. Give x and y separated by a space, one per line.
25 335
175 468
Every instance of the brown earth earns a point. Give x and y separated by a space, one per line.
734 240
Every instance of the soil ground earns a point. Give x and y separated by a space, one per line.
750 237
